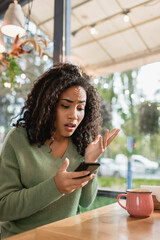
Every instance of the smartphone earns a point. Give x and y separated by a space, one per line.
91 167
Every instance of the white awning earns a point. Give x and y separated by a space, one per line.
117 45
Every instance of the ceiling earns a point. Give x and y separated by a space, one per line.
5 3
118 45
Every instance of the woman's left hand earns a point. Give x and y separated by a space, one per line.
99 145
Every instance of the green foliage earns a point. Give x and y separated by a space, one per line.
129 82
109 98
141 124
9 105
138 182
148 118
106 115
121 183
123 115
107 93
11 72
112 182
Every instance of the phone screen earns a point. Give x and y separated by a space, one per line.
91 167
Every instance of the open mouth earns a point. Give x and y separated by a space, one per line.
70 125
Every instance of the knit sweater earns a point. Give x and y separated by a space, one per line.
28 194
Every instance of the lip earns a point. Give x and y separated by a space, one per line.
70 127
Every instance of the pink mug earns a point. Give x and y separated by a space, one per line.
139 203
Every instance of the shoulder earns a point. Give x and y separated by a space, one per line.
16 136
16 132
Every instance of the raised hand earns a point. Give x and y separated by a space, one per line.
99 145
65 181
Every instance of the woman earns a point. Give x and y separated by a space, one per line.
58 128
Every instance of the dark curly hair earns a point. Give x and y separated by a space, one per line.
38 114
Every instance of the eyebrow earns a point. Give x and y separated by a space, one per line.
70 101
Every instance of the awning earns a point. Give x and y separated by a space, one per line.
116 45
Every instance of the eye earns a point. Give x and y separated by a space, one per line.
64 106
80 108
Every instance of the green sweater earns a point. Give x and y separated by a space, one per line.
28 194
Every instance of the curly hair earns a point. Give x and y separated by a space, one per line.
39 112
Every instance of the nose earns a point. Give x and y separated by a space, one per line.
73 114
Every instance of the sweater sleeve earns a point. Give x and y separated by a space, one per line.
17 202
89 193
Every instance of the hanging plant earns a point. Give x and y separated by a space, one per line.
13 69
8 61
148 118
18 48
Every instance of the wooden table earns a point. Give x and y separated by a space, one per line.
106 223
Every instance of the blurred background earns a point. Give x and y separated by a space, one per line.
116 42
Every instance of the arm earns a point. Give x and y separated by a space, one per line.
89 193
16 201
93 151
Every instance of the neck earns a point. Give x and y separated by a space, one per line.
59 139
58 146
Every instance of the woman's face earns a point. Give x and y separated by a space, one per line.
70 111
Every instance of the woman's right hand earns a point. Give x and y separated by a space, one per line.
65 181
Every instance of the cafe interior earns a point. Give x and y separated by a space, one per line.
104 37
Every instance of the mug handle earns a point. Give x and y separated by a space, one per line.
118 199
